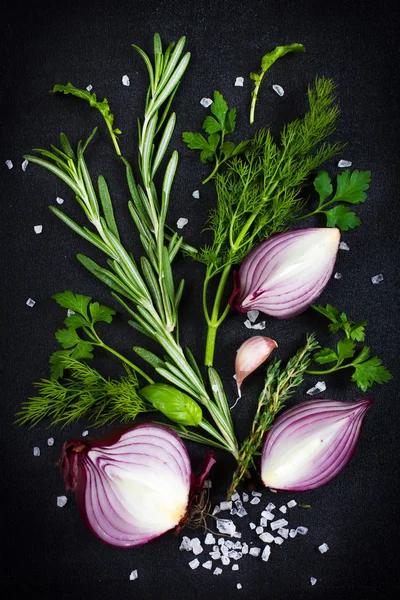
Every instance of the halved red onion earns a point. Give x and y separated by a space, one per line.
311 443
131 487
282 276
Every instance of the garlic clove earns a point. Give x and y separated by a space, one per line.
251 354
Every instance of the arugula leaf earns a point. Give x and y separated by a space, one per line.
266 62
369 372
351 187
342 217
220 123
103 107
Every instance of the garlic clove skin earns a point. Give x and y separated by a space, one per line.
251 354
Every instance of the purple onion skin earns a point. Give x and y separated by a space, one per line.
75 475
253 289
304 422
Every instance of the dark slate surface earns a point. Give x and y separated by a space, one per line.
48 553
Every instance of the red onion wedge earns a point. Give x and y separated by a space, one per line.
282 276
131 487
311 443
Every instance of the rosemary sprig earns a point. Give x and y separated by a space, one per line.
280 383
260 193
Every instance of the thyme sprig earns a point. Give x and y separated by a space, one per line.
280 383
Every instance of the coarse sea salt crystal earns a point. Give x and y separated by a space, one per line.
344 163
181 223
256 494
252 315
239 586
245 548
278 89
313 581
229 544
245 497
302 530
30 302
226 526
278 524
89 87
9 164
292 533
217 571
252 525
216 555
133 575
196 194
320 386
207 565
70 312
268 515
50 442
278 540
377 278
260 325
291 504
36 451
24 165
209 539
241 512
267 537
185 544
197 550
263 522
239 81
61 501
125 80
259 530
323 548
266 553
237 546
206 102
85 433
225 505
235 567
233 511
194 563
283 532
248 324
283 509
255 501
225 560
270 506
235 497
343 246
255 551
337 276
38 228
59 200
216 510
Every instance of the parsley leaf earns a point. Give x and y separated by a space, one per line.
220 123
351 187
76 302
369 372
326 355
323 185
342 217
345 349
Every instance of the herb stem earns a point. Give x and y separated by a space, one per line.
216 319
332 370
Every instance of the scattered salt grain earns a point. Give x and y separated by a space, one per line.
24 165
36 451
185 544
237 546
245 497
216 510
206 102
268 515
255 501
194 563
343 246
337 276
225 560
125 80
344 163
59 200
266 553
302 530
273 491
133 575
278 524
70 312
242 512
283 532
252 525
207 565
323 548
239 586
313 581
278 540
256 494
278 89
227 505
181 223
226 526
235 567
38 228
229 544
221 541
252 315
259 530
292 533
248 324
320 386
210 539
291 504
245 548
85 433
197 549
217 571
260 325
61 501
9 164
235 497
89 88
263 522
216 555
266 537
377 278
283 509
224 551
239 81
233 511
196 194
50 442
30 302
255 551
270 506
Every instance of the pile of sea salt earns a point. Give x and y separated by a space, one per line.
223 551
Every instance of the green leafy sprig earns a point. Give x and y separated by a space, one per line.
266 62
367 370
350 189
215 148
103 107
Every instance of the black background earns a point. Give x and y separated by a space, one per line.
47 552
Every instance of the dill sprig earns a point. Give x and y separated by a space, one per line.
280 383
261 193
84 394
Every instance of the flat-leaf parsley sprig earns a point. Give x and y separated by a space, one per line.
367 370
